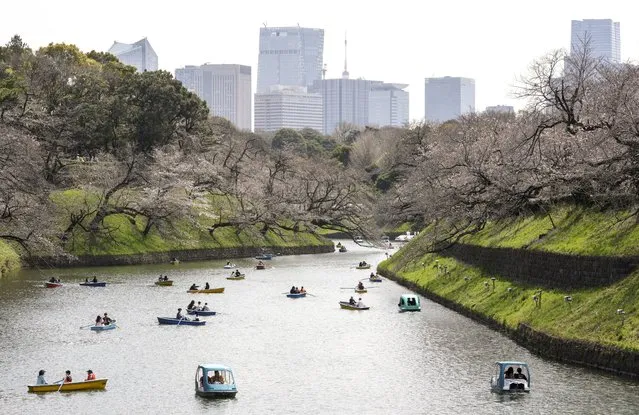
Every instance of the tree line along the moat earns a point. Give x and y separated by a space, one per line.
88 145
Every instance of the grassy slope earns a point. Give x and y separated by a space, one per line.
9 259
592 314
183 235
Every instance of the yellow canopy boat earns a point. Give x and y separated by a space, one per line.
67 387
209 291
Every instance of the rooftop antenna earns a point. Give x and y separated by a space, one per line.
345 73
324 72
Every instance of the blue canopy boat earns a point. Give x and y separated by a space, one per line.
102 328
180 322
296 295
93 284
409 302
510 377
264 256
200 312
215 381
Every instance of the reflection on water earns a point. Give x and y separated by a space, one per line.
290 356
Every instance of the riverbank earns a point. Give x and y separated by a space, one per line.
557 290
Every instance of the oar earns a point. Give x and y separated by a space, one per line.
62 382
88 325
311 295
180 321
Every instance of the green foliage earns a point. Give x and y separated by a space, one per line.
342 154
9 259
591 316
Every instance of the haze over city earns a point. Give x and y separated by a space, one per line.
404 42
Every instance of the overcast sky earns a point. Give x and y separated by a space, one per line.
404 41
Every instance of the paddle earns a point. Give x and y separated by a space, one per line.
88 325
311 295
62 382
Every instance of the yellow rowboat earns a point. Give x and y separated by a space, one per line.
361 291
67 387
164 283
209 291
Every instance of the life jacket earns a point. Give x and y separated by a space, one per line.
67 379
91 376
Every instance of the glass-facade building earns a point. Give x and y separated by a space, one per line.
289 56
602 35
449 97
139 54
288 107
226 88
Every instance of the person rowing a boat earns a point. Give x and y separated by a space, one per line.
180 316
41 380
106 320
90 375
95 279
360 286
191 305
52 280
199 306
302 290
67 377
206 307
360 304
193 287
237 273
351 301
207 286
98 320
373 275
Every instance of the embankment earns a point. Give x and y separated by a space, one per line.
566 292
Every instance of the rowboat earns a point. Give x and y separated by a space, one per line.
72 386
264 256
367 266
296 295
180 322
175 261
164 283
229 266
102 328
510 377
260 266
93 284
205 291
52 284
215 381
409 302
361 290
348 306
342 249
375 279
236 277
201 312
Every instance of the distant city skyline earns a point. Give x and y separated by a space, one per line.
487 41
603 36
448 97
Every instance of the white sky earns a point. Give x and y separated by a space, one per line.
404 41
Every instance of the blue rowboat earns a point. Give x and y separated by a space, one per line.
180 322
200 313
102 328
93 284
215 381
296 295
409 302
264 256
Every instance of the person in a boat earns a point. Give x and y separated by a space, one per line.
237 273
166 278
302 290
98 320
90 375
508 374
260 263
95 279
191 305
206 307
360 286
179 315
228 263
40 380
86 280
520 375
216 378
351 301
207 286
292 291
360 303
52 279
373 275
106 320
67 377
199 305
193 287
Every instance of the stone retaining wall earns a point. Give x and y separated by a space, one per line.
545 268
165 257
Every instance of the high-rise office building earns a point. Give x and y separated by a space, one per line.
602 35
139 54
449 97
345 101
288 107
388 105
225 88
289 56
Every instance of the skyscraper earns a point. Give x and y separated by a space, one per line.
603 36
288 107
289 56
388 105
139 54
449 97
225 88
